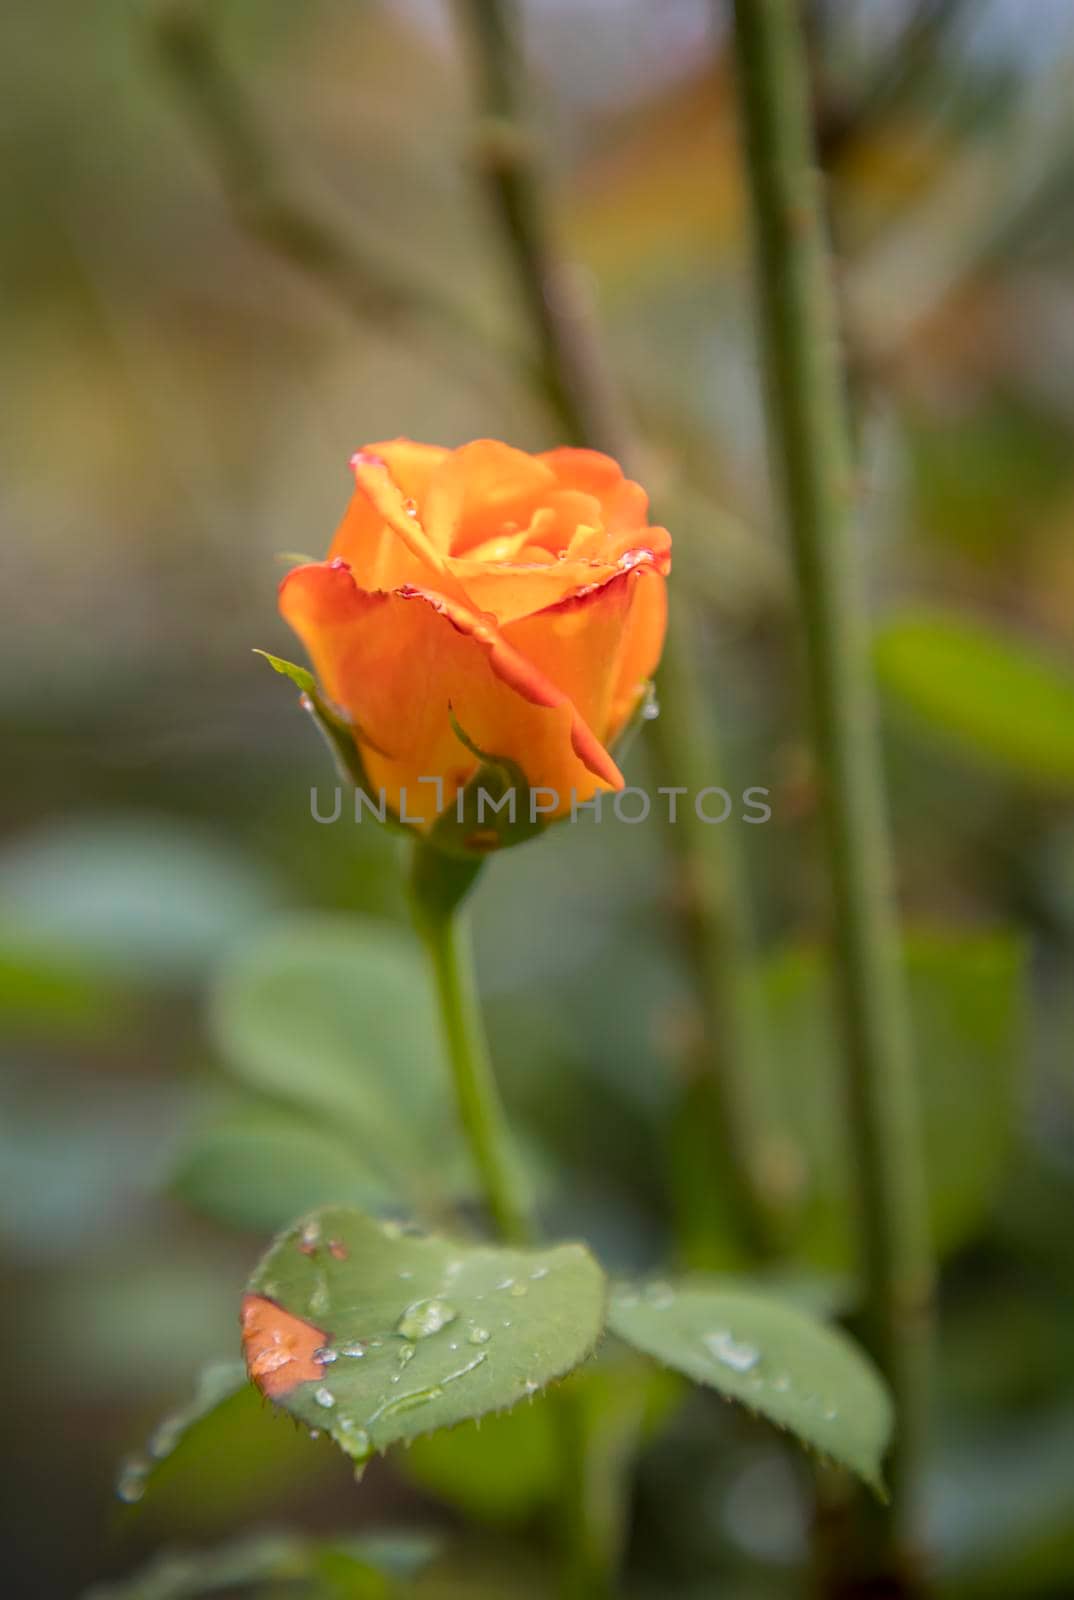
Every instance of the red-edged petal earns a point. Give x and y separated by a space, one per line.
401 662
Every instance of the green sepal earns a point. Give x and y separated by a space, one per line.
336 732
461 831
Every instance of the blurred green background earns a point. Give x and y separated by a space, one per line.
182 403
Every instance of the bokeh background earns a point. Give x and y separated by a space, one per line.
181 403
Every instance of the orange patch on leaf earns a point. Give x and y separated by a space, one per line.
278 1347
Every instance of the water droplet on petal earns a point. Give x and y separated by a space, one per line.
723 1347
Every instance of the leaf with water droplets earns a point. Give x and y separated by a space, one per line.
769 1356
216 1383
421 1332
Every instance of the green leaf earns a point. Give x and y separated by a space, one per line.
968 1019
129 897
352 1568
259 1167
770 1357
423 1332
335 1014
1000 700
216 1383
509 1465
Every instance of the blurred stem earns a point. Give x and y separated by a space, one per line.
439 884
809 446
582 398
574 380
380 286
715 919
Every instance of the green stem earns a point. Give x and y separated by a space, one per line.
574 379
438 885
809 444
582 397
716 923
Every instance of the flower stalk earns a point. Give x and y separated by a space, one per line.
439 884
809 442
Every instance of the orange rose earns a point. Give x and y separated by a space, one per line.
517 599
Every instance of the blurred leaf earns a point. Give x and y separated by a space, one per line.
968 1016
424 1332
241 1459
258 1168
1001 1510
335 1014
997 698
509 1465
770 1357
216 1383
133 897
41 994
984 480
351 1568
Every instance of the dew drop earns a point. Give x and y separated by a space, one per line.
355 1349
410 507
130 1484
723 1347
325 1355
324 1397
650 709
354 1441
165 1437
538 1273
406 1353
425 1317
478 1335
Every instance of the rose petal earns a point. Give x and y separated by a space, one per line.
400 663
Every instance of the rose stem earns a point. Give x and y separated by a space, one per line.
810 452
582 397
439 884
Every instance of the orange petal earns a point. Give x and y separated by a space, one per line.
278 1347
401 663
481 488
623 502
577 644
382 536
640 646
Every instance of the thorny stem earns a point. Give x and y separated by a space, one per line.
810 452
